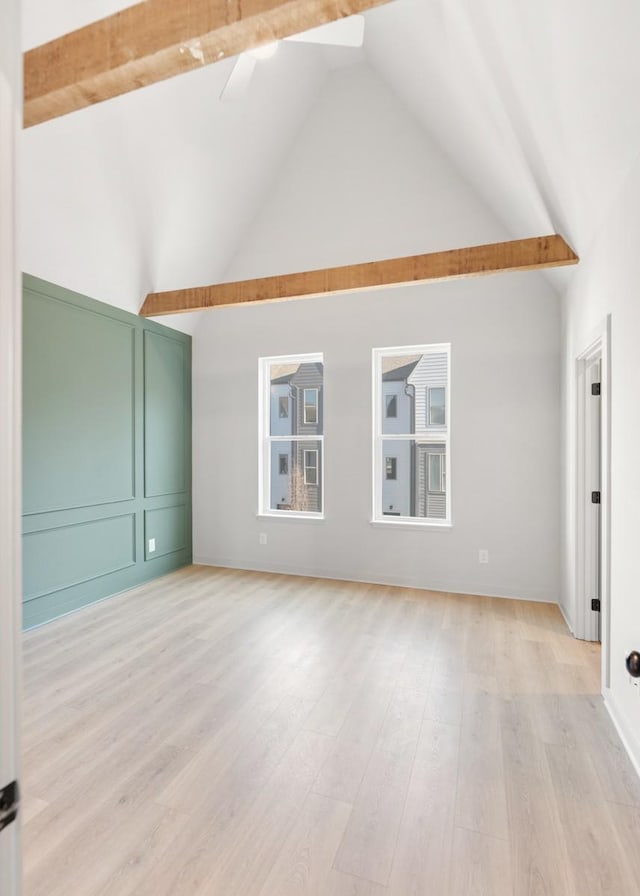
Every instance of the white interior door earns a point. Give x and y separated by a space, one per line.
10 474
593 508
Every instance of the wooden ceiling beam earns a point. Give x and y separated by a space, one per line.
517 255
158 39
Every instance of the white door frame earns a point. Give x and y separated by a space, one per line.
10 403
598 346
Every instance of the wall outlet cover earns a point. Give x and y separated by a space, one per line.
152 545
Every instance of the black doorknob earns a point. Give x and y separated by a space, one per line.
633 664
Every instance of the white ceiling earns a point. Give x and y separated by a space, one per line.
534 104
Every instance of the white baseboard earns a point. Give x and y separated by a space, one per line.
628 736
566 618
442 587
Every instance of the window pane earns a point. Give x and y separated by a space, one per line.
310 405
435 480
299 488
418 489
296 398
413 392
391 467
436 406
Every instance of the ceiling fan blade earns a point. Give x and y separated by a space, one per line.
348 32
238 80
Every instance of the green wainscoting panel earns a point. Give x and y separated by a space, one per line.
165 414
78 430
106 450
71 555
168 527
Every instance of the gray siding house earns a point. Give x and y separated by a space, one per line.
296 466
414 402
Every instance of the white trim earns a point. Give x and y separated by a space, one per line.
566 618
10 448
429 391
628 736
411 522
314 405
306 466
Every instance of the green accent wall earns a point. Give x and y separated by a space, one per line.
106 450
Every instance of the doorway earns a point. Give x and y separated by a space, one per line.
593 395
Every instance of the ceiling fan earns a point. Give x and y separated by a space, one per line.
347 32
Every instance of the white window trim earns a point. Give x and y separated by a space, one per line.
315 405
306 466
429 391
265 439
437 436
436 491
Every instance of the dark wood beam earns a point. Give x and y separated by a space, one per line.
516 255
158 39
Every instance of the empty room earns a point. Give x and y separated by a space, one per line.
319 328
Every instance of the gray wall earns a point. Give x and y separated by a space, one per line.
505 445
106 450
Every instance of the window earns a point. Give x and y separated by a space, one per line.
310 467
391 406
436 405
291 437
310 406
411 444
437 472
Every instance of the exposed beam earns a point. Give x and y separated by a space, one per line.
516 255
158 39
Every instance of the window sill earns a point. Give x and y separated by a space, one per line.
286 515
411 524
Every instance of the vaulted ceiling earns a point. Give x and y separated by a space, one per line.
533 107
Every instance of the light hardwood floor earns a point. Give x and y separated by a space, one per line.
247 734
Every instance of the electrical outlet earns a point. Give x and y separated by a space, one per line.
483 555
262 538
152 545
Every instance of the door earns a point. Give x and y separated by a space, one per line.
593 521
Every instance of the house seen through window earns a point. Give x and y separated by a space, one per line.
412 481
291 463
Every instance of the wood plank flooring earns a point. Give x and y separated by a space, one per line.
248 734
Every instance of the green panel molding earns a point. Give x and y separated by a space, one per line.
106 450
168 529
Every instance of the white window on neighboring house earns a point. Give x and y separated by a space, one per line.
412 435
291 481
436 405
310 406
310 467
437 472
